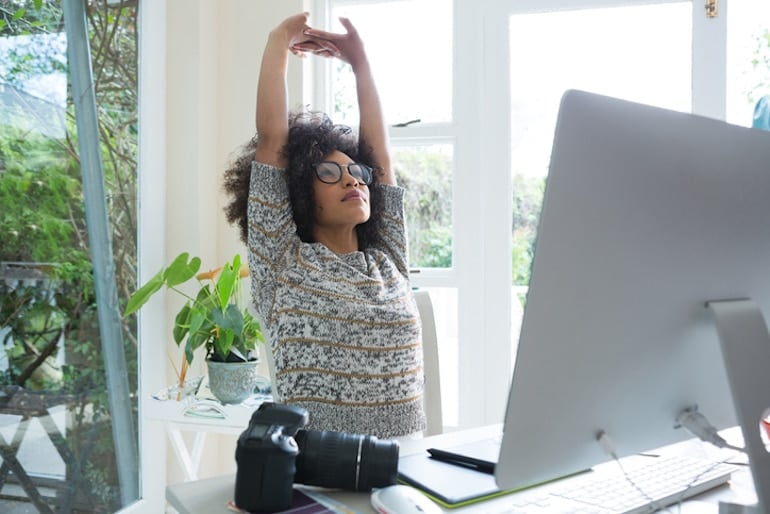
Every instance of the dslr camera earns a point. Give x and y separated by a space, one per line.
274 452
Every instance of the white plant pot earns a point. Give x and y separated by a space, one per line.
232 382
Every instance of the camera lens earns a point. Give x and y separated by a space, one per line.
345 461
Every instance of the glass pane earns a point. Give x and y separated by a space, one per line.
410 88
56 437
425 172
748 59
607 51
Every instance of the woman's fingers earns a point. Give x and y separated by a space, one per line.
348 25
316 46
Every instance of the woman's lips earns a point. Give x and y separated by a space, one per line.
353 195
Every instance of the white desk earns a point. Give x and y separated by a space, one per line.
211 495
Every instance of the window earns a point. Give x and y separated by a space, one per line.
58 410
748 58
605 51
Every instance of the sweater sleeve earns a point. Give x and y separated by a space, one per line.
394 238
272 232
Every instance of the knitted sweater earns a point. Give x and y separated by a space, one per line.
344 329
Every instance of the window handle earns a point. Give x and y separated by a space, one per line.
407 123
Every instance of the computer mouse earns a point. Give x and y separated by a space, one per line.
402 499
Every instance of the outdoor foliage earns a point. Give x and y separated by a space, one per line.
42 199
426 177
527 201
760 63
42 222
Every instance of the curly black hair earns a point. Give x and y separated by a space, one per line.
312 136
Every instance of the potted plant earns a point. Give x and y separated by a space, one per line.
213 318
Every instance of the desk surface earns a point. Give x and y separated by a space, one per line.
210 496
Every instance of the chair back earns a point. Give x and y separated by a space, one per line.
432 395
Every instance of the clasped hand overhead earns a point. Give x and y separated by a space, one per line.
304 39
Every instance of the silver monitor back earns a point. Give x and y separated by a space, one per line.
647 215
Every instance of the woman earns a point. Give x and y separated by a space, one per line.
323 220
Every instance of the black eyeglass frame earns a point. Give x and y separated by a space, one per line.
365 177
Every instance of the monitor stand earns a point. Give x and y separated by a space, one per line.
746 352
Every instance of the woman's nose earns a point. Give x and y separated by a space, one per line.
348 179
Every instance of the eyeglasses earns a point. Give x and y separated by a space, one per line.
330 172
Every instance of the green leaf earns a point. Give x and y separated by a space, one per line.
227 280
19 14
231 319
200 332
252 331
196 340
197 320
223 344
205 301
143 294
180 270
182 324
188 354
38 4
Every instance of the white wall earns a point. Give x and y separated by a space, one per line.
213 52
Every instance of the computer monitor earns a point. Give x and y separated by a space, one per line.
648 214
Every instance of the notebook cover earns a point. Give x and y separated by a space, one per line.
447 484
487 450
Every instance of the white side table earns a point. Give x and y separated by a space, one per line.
172 414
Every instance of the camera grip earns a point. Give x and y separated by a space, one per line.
265 476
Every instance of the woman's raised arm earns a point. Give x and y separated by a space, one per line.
272 116
372 131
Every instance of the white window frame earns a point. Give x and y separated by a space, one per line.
152 213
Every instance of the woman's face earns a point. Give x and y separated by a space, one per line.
344 203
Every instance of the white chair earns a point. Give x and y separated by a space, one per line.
268 353
432 396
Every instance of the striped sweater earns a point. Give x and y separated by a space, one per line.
344 329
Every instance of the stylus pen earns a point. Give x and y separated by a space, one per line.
462 460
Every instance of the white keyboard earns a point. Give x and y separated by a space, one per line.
659 483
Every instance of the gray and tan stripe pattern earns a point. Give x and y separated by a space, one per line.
344 329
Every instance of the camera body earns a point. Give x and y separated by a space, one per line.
265 455
273 453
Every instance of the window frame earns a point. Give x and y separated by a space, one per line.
153 199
